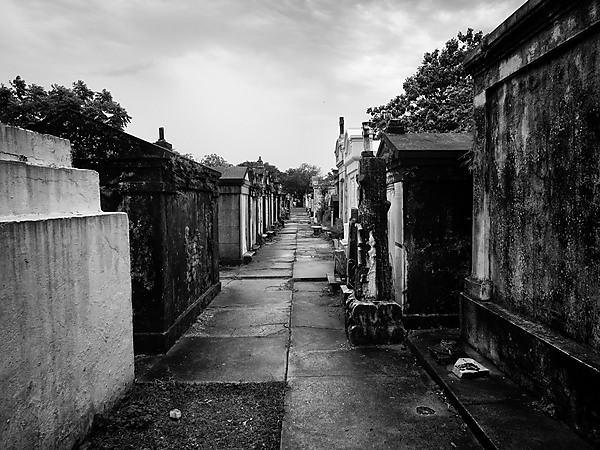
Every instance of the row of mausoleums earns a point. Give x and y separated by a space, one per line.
501 229
429 189
251 209
111 245
185 219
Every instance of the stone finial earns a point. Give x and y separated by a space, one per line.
366 130
341 126
161 139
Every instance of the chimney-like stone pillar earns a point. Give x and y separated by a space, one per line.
161 139
372 212
372 315
366 132
341 126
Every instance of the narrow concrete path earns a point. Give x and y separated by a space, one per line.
277 320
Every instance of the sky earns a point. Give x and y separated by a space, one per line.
239 78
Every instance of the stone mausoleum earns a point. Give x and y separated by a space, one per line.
532 301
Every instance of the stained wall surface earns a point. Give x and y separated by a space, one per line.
538 178
532 303
65 299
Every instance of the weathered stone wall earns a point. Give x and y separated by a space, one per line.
173 210
437 231
230 225
65 296
532 301
541 182
174 244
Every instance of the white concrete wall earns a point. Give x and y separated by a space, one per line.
46 190
397 250
20 145
66 335
65 326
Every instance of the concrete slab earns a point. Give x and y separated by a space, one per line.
279 256
240 332
311 269
241 321
307 339
288 230
309 315
244 359
322 297
257 273
267 292
287 235
353 362
287 244
524 425
310 286
369 413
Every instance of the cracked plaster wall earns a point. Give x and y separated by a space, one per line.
65 296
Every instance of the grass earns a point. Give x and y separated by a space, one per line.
213 416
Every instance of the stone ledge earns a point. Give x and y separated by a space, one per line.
34 189
499 413
152 343
558 370
18 144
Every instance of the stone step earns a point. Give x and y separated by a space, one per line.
32 189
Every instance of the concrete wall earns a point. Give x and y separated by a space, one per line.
429 232
437 226
230 223
174 251
532 302
537 177
65 308
172 205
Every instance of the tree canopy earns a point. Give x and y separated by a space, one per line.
439 96
23 105
297 181
273 170
214 160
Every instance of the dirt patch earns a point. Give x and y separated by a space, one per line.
213 416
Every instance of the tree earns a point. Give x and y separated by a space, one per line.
24 105
273 170
439 96
214 160
297 181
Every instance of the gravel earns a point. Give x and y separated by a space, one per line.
213 416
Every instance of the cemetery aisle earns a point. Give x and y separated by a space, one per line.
346 397
276 319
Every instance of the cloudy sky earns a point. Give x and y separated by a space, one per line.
240 78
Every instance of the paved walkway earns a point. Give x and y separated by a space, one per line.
276 319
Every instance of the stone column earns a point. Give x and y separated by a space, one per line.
372 315
372 212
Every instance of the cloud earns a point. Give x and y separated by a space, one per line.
268 69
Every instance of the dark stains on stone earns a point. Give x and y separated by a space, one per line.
545 194
437 230
371 314
535 164
171 202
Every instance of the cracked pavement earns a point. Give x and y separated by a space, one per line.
276 319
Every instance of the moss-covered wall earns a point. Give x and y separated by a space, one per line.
544 190
172 205
437 236
191 255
